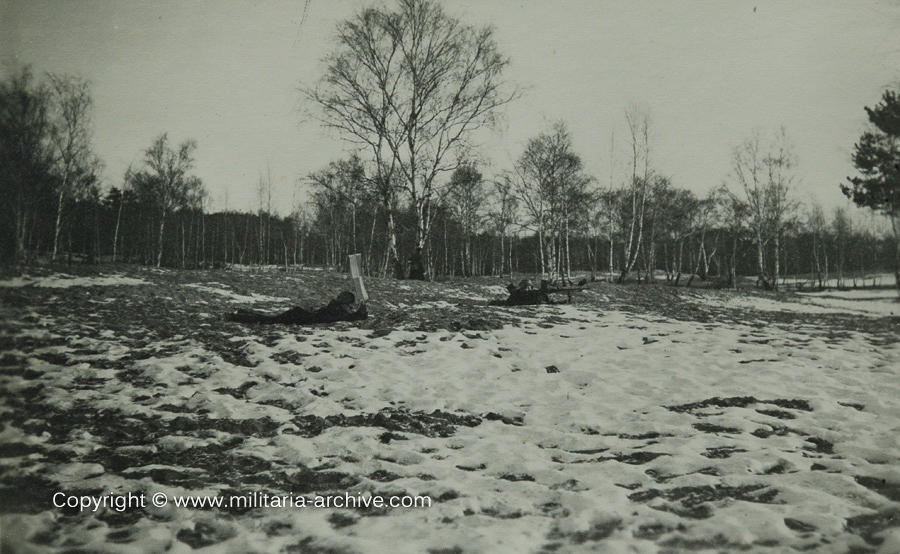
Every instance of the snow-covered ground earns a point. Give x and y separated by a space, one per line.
865 302
63 281
876 280
884 302
574 428
222 290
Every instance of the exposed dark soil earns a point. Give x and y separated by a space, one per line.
160 319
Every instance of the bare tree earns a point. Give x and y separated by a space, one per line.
842 227
384 186
747 167
551 184
466 197
779 164
735 213
74 164
535 186
192 205
411 85
665 208
126 186
338 191
670 215
639 125
765 177
818 227
607 221
300 225
264 213
707 215
166 181
503 215
608 216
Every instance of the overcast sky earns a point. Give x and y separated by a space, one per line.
227 73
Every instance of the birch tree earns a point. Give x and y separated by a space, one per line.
74 164
551 185
165 180
338 191
842 229
264 187
466 197
639 127
818 228
411 85
765 175
503 216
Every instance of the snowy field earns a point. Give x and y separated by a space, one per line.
637 419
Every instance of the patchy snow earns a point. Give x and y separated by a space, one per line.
491 291
497 290
430 305
884 302
606 431
63 281
222 290
868 303
868 280
273 268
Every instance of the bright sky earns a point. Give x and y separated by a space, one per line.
227 73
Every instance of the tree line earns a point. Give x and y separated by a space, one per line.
409 87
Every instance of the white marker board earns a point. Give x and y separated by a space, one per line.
356 277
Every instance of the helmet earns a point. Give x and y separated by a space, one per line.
346 298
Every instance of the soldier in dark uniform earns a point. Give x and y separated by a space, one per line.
525 294
339 309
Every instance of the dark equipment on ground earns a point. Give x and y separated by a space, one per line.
339 309
524 294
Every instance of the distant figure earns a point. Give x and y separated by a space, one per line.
525 294
416 265
339 309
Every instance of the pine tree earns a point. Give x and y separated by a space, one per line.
877 157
